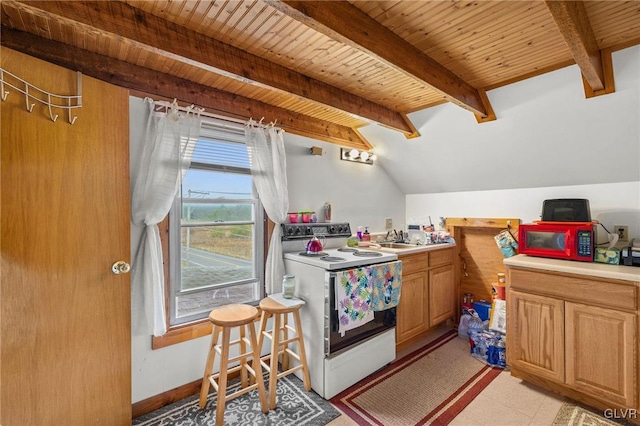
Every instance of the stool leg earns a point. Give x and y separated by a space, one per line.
301 351
263 326
243 360
273 365
204 389
285 337
258 369
222 379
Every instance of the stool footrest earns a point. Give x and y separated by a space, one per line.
286 342
239 357
293 354
214 377
289 371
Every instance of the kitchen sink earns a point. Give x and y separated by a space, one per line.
397 245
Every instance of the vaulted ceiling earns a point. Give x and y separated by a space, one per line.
323 69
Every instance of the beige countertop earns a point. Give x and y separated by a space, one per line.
602 270
415 248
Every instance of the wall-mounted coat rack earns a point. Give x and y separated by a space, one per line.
34 93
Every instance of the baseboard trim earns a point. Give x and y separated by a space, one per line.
158 401
165 398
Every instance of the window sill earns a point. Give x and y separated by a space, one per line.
182 334
186 332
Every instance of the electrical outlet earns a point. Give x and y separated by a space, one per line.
388 224
622 231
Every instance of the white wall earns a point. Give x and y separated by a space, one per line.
612 204
547 134
360 194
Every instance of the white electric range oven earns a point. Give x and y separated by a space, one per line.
336 360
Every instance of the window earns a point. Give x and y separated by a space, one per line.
216 229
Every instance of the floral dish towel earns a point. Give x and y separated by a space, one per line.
353 290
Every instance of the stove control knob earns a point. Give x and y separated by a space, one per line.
332 229
309 231
296 231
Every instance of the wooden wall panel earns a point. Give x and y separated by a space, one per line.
478 259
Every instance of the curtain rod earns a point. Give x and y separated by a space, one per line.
202 112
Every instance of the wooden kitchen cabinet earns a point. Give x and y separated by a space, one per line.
413 315
535 332
441 282
412 312
600 352
574 334
428 293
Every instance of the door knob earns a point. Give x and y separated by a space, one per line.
120 267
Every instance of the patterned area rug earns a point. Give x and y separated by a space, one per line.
295 407
573 414
432 385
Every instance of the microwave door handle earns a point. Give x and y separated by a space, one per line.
569 246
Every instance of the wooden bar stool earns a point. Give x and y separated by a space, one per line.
224 319
271 307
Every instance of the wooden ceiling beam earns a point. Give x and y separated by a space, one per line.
573 23
344 22
155 83
157 35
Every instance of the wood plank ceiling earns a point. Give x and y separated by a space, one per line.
324 69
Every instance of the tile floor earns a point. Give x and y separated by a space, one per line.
506 401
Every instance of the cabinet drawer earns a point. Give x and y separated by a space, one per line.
440 257
607 293
413 263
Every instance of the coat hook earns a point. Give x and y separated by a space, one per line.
26 99
71 120
4 93
54 118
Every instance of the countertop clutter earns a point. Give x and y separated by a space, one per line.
412 248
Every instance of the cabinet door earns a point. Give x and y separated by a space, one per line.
412 314
441 294
600 352
535 335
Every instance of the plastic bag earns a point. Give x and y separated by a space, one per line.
463 325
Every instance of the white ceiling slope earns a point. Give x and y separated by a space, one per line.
547 134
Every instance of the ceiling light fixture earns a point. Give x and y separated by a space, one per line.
357 156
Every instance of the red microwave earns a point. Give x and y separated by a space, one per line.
560 240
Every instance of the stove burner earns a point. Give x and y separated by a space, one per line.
347 249
308 254
367 253
333 259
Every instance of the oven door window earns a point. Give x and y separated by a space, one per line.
382 321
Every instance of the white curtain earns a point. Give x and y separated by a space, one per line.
169 140
268 169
